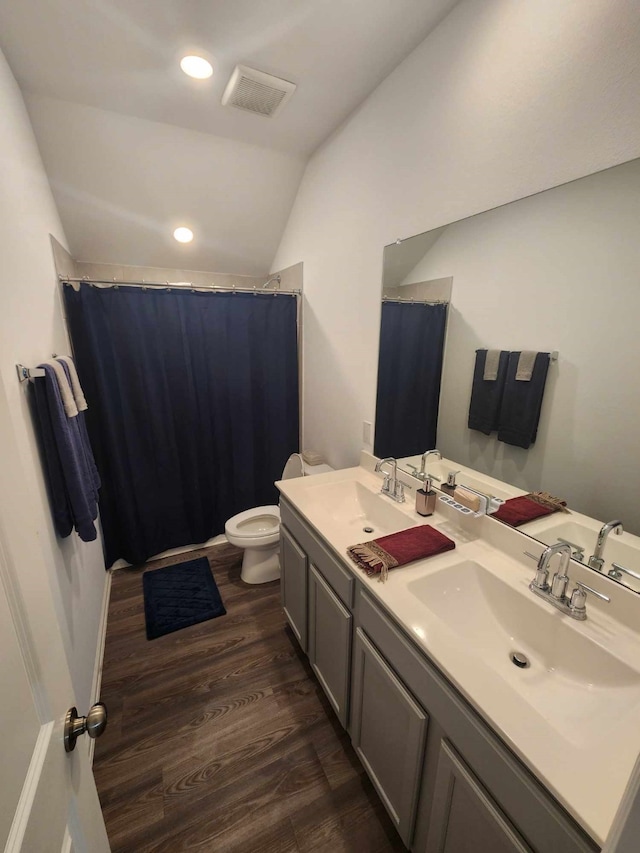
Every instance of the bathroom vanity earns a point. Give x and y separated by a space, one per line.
463 746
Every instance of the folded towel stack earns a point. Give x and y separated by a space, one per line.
378 556
517 511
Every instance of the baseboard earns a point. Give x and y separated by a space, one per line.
172 552
97 667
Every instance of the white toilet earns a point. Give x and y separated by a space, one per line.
257 530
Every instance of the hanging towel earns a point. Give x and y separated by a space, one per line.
76 388
388 552
84 436
525 365
491 364
72 475
486 394
517 511
64 386
522 402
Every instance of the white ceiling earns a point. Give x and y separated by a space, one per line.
122 56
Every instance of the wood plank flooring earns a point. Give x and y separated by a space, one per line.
219 736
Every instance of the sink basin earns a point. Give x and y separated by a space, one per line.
571 679
354 507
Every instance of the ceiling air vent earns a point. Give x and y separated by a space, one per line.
256 91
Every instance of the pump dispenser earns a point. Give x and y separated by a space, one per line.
426 498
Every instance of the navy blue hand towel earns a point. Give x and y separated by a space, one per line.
486 394
522 402
71 472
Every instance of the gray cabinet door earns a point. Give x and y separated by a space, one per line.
388 730
464 818
330 642
293 585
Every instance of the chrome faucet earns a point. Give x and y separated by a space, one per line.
391 486
422 474
558 587
556 592
596 560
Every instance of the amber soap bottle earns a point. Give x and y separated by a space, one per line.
426 498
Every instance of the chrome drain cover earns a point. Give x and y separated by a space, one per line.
367 529
520 660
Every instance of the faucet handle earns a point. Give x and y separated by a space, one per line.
578 603
399 493
587 588
617 570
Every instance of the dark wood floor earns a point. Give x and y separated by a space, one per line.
219 736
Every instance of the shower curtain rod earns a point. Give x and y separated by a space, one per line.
178 285
415 301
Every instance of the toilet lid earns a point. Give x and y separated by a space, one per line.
252 523
293 468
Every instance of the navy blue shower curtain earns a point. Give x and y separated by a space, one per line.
409 374
193 408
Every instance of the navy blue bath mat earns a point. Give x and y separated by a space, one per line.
178 596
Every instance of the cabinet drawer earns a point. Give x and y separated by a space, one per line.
340 580
539 818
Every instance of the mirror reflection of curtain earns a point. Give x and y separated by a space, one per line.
193 408
409 374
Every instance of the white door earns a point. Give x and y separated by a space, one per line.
48 798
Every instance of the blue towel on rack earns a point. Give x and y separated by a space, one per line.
71 470
522 402
486 394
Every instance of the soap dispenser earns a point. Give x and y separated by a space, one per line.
426 498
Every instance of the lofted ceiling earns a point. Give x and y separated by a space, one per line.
131 144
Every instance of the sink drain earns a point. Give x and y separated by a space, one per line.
520 660
367 529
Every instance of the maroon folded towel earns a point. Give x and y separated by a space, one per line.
517 511
398 549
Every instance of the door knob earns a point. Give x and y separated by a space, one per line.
93 724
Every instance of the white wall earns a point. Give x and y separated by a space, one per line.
502 100
31 329
123 184
558 271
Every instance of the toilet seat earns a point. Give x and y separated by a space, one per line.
257 530
254 525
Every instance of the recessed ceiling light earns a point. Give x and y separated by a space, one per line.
183 234
196 66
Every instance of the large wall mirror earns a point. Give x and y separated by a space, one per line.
555 272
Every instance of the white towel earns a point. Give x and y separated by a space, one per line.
78 395
491 364
70 408
525 365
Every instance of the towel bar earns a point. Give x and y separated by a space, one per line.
25 373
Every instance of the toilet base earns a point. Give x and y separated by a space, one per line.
261 565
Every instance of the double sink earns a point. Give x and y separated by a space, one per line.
565 695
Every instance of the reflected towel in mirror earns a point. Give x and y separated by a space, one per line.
522 402
486 394
517 511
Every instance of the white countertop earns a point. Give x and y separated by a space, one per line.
583 754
